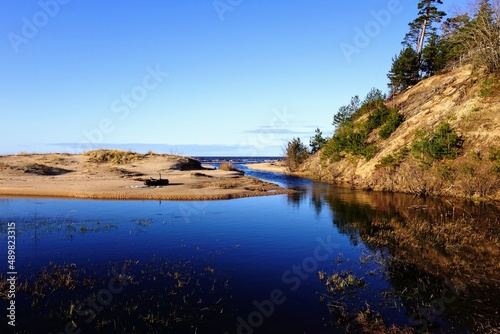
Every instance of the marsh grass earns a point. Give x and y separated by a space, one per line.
362 320
184 298
343 282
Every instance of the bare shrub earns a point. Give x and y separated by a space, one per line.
477 177
228 166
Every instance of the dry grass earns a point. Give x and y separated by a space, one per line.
113 156
228 166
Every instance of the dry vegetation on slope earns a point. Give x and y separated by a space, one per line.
468 100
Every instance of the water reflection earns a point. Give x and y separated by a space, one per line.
418 263
441 258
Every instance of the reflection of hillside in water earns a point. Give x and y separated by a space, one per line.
418 228
431 248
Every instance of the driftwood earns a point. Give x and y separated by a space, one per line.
156 182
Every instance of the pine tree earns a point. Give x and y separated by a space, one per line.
435 55
317 142
422 26
295 153
345 113
404 71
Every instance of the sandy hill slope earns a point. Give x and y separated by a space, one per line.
469 100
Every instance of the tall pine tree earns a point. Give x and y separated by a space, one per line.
422 26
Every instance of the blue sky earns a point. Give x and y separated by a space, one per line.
224 77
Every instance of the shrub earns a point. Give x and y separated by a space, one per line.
374 100
228 166
393 121
378 117
477 177
488 86
494 155
443 143
333 149
394 161
344 116
295 153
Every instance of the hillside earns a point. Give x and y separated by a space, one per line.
469 101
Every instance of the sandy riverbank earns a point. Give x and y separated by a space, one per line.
276 167
114 175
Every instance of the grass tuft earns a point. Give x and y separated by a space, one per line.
113 156
228 166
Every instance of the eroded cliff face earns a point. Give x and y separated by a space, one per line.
469 100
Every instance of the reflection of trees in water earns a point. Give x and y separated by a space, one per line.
429 242
298 196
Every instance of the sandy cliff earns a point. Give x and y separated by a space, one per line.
456 97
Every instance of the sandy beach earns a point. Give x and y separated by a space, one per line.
276 167
105 174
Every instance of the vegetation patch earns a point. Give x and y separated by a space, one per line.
295 154
113 156
229 167
344 282
353 132
443 143
489 87
393 161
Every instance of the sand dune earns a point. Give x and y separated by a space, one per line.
120 175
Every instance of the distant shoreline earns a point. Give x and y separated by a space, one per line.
120 175
275 167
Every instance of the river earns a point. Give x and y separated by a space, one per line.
325 259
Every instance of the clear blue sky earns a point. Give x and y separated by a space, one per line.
228 77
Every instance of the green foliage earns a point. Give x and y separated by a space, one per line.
474 38
387 119
422 26
488 86
376 118
443 143
349 140
295 153
393 161
352 136
317 142
435 55
334 149
404 70
374 99
345 113
494 155
375 95
393 121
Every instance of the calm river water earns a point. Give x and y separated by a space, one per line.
312 262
